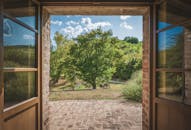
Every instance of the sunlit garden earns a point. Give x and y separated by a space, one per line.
96 72
96 65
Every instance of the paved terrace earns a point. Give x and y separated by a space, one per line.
95 115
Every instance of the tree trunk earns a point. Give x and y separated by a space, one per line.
94 85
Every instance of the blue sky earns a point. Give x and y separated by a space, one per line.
15 34
121 25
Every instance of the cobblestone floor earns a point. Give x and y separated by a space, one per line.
95 115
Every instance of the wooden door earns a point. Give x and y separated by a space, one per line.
172 66
19 65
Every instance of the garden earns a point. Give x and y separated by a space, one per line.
96 65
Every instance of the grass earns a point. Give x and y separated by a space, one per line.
133 89
83 93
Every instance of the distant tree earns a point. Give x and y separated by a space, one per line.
58 56
128 59
92 57
132 40
59 38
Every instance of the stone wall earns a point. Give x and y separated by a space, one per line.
146 73
45 67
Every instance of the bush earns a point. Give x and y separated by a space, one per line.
133 90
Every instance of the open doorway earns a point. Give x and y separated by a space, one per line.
96 64
121 13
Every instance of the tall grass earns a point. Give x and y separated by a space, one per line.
133 90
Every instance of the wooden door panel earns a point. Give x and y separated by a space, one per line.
162 117
176 118
25 120
187 118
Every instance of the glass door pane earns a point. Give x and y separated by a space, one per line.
19 45
170 49
170 85
18 86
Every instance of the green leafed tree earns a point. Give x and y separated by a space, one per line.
58 56
92 57
132 40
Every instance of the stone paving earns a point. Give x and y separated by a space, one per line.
95 115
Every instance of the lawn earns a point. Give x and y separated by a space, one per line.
82 93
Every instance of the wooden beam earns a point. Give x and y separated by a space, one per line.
97 10
94 3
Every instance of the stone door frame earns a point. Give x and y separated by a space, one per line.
107 9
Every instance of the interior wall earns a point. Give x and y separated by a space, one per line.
146 113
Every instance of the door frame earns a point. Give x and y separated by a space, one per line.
1 64
147 115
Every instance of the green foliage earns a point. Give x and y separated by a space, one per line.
128 59
132 40
60 39
90 59
94 57
58 56
133 90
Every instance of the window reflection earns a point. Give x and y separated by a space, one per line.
187 99
171 48
170 85
18 87
23 10
19 45
187 63
172 12
187 46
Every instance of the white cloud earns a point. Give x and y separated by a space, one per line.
126 26
73 31
72 23
28 37
86 20
85 25
124 17
89 25
56 22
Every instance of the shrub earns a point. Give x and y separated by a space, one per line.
133 90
